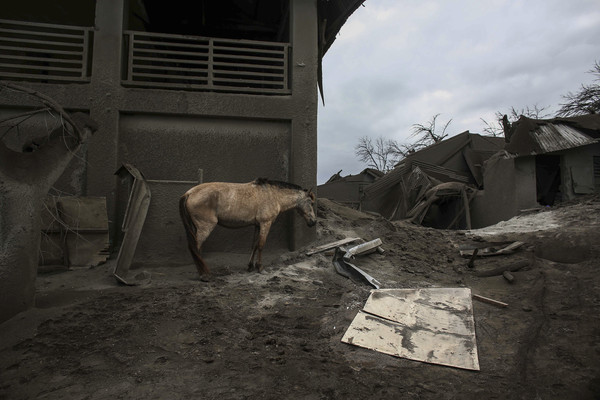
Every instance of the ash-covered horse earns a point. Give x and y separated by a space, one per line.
234 205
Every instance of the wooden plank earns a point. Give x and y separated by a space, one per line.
49 78
32 50
75 70
172 52
78 35
170 77
201 70
173 45
331 245
203 63
47 43
42 25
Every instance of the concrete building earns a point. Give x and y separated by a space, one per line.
184 91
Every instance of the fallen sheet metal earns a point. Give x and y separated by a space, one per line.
343 266
135 215
433 325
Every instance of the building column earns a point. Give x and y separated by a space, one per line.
303 163
104 106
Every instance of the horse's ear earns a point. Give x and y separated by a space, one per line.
311 194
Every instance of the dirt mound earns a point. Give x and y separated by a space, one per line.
277 334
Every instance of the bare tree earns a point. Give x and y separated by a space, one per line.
505 121
428 133
381 154
25 178
586 101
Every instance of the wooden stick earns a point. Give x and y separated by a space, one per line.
490 301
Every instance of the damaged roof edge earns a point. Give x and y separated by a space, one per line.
332 15
336 13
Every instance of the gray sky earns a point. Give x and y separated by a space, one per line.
397 63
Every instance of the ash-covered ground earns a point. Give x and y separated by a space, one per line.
277 334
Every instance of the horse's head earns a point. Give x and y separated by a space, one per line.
306 208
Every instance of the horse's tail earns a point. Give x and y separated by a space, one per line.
190 231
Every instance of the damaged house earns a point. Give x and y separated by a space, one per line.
473 181
544 162
348 190
184 91
430 185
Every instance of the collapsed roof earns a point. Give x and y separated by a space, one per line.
373 173
458 159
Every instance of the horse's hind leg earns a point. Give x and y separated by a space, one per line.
203 229
262 239
254 246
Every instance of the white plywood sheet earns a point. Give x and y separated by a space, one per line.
433 325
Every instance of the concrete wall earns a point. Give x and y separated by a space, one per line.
224 149
577 171
509 187
170 134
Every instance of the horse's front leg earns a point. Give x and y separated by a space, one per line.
254 246
262 239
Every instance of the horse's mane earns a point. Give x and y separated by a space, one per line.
279 184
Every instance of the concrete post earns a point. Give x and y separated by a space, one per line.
303 163
105 84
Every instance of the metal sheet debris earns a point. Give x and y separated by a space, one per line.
342 262
135 215
365 248
433 325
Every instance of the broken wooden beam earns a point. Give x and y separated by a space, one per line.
331 245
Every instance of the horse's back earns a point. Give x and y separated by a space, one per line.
223 200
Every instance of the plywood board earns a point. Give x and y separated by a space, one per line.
433 325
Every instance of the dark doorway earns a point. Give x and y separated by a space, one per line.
547 174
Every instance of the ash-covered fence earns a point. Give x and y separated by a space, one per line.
48 53
170 61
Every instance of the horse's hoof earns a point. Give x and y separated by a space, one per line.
259 268
205 278
250 267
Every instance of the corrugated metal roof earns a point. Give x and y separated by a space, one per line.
532 136
560 137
